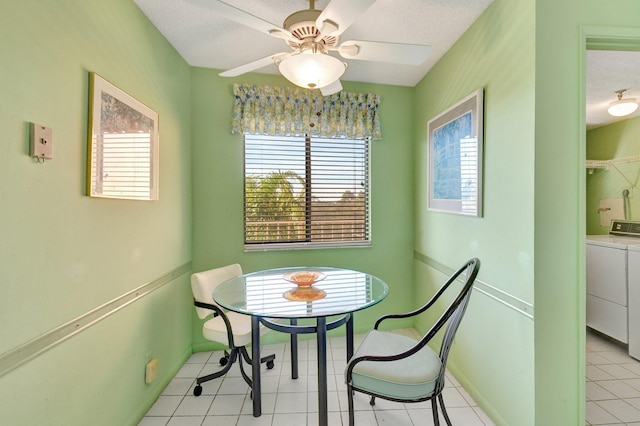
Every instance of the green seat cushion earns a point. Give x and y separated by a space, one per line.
413 377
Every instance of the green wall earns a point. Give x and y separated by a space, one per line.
218 188
63 254
560 194
529 57
494 353
617 140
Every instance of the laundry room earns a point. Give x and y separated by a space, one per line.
613 235
612 209
613 197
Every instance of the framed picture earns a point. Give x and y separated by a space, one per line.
455 158
122 156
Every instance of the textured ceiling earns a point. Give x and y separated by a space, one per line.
608 71
206 40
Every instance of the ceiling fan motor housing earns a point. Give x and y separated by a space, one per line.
302 24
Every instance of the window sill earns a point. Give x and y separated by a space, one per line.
305 246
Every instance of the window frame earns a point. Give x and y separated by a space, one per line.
306 245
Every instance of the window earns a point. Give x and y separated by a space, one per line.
305 192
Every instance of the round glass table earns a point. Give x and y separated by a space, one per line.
278 298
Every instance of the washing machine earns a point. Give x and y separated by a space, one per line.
613 287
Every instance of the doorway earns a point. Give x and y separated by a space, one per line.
610 61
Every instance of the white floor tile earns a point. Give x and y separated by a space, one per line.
468 399
154 421
595 392
621 410
593 372
613 383
190 371
268 403
220 421
595 358
464 416
618 372
199 358
226 401
233 386
360 418
295 402
617 356
422 416
393 417
249 420
290 419
194 405
333 402
619 389
634 367
596 415
179 387
289 385
186 421
165 405
483 416
226 405
333 418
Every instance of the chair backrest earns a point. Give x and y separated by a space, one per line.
203 283
454 313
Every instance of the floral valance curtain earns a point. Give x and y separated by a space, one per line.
292 111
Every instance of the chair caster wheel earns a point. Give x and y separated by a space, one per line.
197 391
270 365
251 394
372 401
223 361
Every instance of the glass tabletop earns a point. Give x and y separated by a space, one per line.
273 292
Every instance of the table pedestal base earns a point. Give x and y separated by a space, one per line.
320 328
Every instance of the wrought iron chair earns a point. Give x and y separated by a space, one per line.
398 368
228 328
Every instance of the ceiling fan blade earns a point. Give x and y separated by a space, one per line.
247 19
332 88
252 66
340 14
395 53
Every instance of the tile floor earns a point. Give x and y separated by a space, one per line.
612 383
226 401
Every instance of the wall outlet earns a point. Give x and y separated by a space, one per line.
151 371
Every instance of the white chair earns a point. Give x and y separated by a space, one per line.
228 328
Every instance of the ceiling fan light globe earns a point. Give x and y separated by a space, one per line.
312 70
623 107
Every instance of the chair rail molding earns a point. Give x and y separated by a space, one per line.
521 306
13 358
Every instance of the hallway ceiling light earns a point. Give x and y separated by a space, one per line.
622 107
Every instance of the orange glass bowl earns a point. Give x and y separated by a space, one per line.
304 278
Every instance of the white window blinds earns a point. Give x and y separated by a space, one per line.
306 191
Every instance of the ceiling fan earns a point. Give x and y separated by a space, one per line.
312 34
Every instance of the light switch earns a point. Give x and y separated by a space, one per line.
41 141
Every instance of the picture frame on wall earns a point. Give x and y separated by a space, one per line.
122 153
455 139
